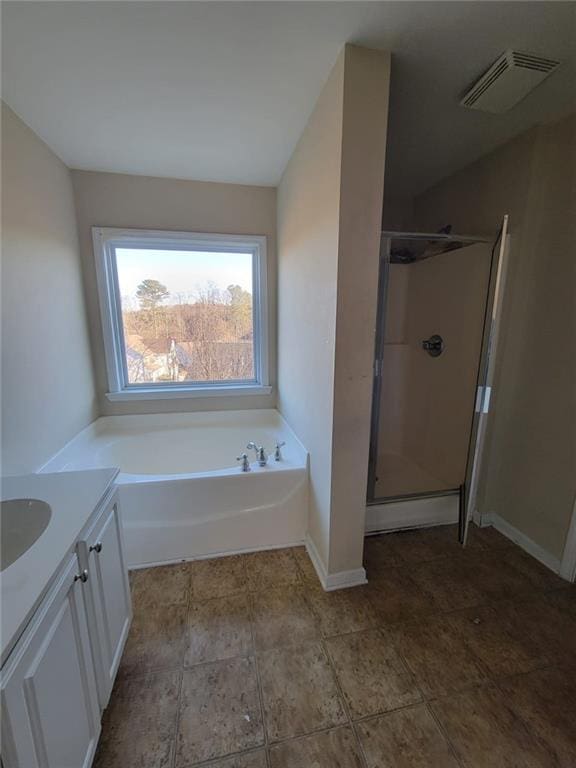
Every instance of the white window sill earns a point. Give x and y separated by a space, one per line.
169 393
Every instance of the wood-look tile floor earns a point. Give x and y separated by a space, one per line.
446 659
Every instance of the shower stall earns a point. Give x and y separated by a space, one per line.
439 301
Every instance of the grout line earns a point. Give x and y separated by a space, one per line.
442 730
345 706
177 720
185 643
386 712
337 681
314 732
225 660
224 758
497 681
413 675
258 678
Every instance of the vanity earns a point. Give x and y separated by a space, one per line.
66 612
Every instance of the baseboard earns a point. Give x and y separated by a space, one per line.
316 559
412 513
333 581
345 579
523 541
482 521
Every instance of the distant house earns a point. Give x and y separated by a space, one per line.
152 360
147 359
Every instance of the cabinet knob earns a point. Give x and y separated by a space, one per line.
97 547
83 577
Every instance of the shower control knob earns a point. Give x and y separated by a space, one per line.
434 345
96 547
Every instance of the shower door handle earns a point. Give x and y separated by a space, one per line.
434 345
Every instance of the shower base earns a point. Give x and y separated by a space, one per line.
412 513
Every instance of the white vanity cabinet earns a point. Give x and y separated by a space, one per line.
50 709
108 595
58 676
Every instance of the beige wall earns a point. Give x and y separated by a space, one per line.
329 213
530 472
308 220
118 200
47 384
366 86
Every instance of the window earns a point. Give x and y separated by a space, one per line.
182 314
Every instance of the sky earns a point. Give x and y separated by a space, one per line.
182 272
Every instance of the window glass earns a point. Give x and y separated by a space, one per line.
186 315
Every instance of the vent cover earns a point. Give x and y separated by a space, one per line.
512 76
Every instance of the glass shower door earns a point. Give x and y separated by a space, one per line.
485 380
431 318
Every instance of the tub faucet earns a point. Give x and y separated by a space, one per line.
245 466
260 453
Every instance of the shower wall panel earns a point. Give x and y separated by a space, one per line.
427 402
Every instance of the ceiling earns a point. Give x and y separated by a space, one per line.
221 91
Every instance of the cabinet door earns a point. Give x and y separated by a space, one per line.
110 595
50 714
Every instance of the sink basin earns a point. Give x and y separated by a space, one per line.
22 522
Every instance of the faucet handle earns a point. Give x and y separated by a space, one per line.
277 452
245 466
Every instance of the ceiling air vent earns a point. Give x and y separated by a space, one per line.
512 76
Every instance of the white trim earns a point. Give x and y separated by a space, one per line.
345 579
316 559
482 520
523 541
163 393
478 457
216 555
106 239
412 513
333 581
568 562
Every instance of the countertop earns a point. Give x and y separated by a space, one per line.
73 497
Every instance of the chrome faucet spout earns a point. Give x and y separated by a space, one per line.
261 456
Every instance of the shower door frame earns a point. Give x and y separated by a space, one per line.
485 377
386 238
383 275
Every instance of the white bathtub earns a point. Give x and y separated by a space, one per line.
182 492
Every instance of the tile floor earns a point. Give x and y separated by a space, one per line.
446 659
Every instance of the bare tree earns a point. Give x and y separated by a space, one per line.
206 336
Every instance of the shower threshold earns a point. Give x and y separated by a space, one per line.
416 511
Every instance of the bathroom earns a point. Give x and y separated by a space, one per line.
288 444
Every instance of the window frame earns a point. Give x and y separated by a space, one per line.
106 240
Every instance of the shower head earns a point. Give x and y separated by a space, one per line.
422 251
